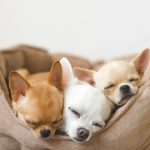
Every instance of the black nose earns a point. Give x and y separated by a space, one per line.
82 133
125 89
45 133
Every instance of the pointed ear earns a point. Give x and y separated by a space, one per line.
18 85
141 61
84 74
55 77
68 75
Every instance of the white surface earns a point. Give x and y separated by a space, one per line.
90 28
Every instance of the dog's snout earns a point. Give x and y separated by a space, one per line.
125 89
82 133
45 133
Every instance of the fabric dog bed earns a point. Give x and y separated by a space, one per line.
128 129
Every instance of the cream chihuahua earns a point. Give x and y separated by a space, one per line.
118 80
38 99
86 110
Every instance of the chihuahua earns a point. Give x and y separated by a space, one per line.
118 80
38 99
86 110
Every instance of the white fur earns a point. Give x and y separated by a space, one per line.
85 99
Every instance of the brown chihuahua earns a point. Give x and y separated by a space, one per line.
38 100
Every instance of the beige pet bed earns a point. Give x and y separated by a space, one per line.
128 129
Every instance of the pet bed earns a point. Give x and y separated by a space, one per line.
128 129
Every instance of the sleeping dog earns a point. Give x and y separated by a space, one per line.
86 110
118 80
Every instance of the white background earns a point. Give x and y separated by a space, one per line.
91 28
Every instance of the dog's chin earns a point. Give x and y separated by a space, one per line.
125 99
79 140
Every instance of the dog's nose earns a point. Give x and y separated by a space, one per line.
82 133
45 133
125 89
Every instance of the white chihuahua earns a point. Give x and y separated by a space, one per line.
86 110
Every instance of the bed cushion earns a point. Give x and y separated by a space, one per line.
128 129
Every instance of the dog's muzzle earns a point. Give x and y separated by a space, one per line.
125 89
82 135
45 133
126 94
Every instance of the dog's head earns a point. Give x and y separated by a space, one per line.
119 80
40 106
85 108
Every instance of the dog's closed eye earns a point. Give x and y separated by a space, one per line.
98 124
57 122
109 86
32 124
133 79
74 111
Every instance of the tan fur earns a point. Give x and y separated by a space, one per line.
117 74
38 99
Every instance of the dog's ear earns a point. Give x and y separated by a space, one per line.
141 61
18 85
84 74
68 75
55 77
